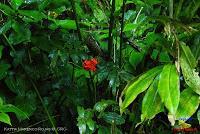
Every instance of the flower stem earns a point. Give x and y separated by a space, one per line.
94 87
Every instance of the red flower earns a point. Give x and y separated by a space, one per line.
90 65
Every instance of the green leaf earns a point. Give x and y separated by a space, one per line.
15 85
16 3
186 52
66 24
6 10
168 88
1 51
114 81
141 84
198 116
189 102
111 117
6 27
118 4
34 15
44 4
5 118
130 27
151 104
3 70
188 65
1 101
103 130
10 108
135 58
20 34
102 105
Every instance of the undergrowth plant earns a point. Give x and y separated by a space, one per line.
106 66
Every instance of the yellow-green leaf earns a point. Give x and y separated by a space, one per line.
168 88
5 118
189 102
141 84
188 65
151 104
186 52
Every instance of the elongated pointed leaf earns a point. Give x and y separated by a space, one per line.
10 108
186 52
168 88
6 10
6 27
151 104
188 65
141 84
189 102
16 3
5 118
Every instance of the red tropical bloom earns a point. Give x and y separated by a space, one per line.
90 65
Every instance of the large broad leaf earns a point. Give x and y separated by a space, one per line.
151 104
5 118
189 102
188 64
168 88
141 84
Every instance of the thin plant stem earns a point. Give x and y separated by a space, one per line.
111 26
93 85
171 4
121 34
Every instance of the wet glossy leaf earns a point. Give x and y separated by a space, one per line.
111 118
168 88
102 105
189 102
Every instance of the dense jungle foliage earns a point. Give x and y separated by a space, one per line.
100 66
